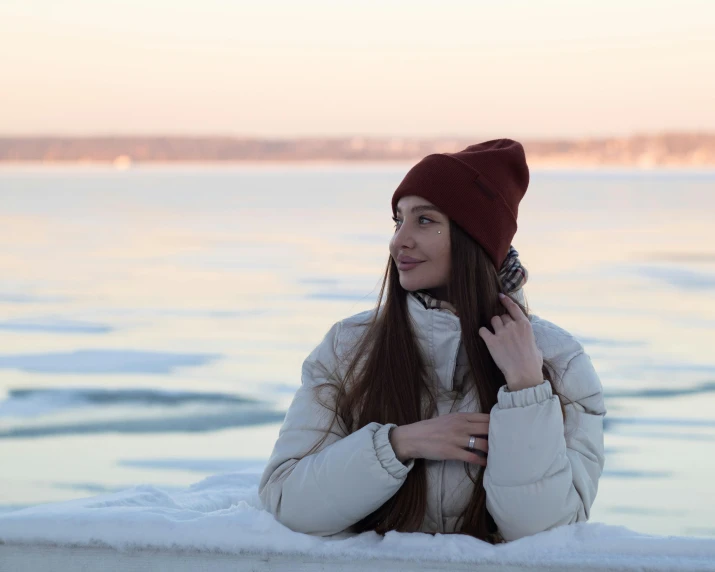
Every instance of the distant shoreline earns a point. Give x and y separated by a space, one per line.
105 166
665 150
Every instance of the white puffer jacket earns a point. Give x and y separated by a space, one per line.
541 472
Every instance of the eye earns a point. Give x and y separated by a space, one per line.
397 221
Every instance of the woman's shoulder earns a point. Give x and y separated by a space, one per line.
341 337
357 321
559 347
555 342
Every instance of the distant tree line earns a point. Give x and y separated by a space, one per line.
666 149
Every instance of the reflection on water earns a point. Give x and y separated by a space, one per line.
103 361
153 321
52 412
679 278
636 474
56 325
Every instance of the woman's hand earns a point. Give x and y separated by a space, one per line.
443 438
513 347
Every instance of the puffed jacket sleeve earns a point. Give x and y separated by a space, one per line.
348 478
543 471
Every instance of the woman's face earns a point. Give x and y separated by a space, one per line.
422 234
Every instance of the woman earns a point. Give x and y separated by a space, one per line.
417 416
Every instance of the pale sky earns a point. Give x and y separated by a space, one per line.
286 68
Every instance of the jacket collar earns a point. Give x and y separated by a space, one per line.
439 333
437 325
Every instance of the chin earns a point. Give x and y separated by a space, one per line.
412 285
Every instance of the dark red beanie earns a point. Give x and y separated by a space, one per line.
479 188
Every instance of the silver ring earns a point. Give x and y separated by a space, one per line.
472 440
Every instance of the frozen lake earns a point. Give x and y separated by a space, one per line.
153 321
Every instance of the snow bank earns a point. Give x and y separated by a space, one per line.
222 515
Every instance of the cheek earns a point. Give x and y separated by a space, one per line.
445 256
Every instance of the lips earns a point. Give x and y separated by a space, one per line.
407 263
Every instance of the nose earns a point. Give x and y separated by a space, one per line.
403 237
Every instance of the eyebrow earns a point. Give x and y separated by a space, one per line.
422 208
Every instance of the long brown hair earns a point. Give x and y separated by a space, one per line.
386 380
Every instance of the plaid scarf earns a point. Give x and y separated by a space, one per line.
512 276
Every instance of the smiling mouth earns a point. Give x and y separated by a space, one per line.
407 265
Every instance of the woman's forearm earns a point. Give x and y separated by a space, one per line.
329 491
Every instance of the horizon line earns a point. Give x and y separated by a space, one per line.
662 132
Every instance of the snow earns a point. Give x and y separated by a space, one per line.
223 514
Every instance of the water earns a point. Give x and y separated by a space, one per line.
153 321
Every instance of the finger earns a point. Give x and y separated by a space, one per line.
497 324
472 423
476 417
486 335
480 444
478 429
464 455
514 310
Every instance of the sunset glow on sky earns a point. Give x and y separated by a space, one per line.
331 68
